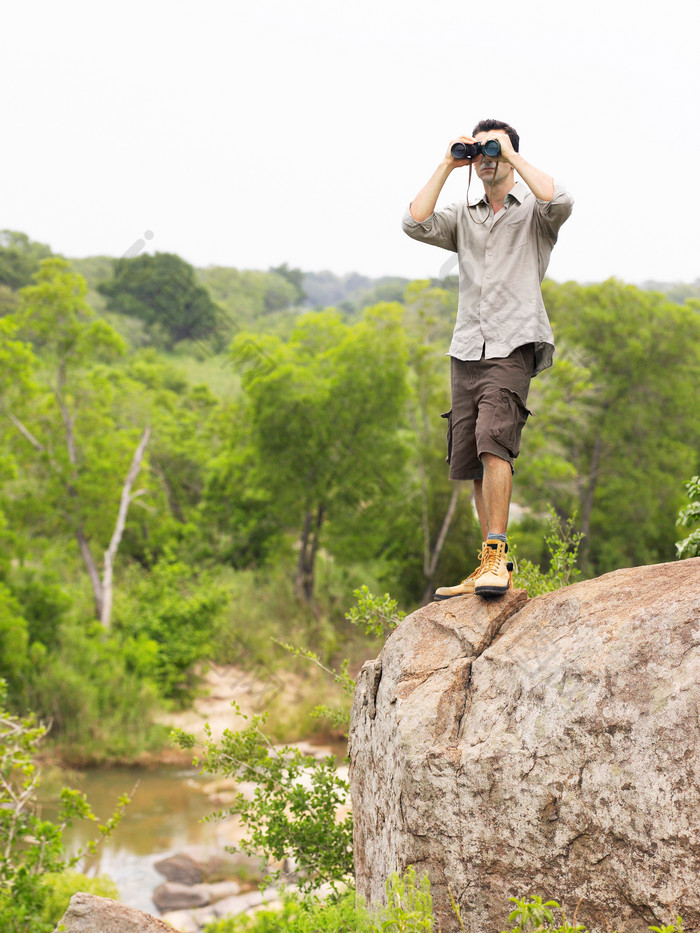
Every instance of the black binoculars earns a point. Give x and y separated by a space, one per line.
491 148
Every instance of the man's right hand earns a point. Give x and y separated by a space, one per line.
424 203
456 163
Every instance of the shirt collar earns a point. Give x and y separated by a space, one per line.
518 192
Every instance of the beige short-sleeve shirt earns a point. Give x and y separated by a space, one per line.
502 262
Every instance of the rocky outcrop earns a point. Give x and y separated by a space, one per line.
88 913
547 746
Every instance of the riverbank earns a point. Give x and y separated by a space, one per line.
287 696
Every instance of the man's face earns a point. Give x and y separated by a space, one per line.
490 170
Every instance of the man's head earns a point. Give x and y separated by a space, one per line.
486 126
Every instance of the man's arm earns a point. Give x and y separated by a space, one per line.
423 205
540 183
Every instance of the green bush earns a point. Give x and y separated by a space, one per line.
294 808
301 916
562 542
99 709
60 887
166 621
33 883
687 517
409 910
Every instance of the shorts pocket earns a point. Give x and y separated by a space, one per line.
509 420
448 415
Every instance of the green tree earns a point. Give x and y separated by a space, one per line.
326 407
19 258
616 425
162 290
71 425
295 277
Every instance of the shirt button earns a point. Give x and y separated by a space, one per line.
490 252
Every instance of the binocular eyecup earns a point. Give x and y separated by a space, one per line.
491 148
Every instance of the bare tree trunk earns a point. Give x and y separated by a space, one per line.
92 570
304 581
439 544
101 586
126 499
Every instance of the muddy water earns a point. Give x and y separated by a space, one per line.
166 815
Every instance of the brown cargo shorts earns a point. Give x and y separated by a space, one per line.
488 410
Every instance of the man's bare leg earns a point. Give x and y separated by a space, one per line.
492 501
480 507
494 577
492 495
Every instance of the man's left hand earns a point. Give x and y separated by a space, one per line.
507 151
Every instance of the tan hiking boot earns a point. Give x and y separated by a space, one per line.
466 587
496 572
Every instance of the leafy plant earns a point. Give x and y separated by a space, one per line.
378 615
690 515
294 811
409 909
59 888
302 915
409 906
562 543
32 847
676 927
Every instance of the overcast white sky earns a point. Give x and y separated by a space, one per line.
249 134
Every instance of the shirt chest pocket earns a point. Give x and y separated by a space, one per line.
515 236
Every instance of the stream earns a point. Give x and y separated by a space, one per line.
164 817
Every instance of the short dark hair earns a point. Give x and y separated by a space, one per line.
485 126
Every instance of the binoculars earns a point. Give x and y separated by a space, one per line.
491 148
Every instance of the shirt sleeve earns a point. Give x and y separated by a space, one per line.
439 229
552 214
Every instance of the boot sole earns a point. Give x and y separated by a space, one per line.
437 598
491 590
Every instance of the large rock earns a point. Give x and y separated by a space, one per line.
174 896
190 921
180 869
88 913
195 864
549 746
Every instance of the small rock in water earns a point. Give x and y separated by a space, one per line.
180 868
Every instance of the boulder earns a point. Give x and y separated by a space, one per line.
215 864
547 746
190 921
180 869
88 913
174 896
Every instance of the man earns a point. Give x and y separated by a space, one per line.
502 336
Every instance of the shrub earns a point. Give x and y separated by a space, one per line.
59 888
34 858
408 910
294 808
562 543
688 516
166 622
